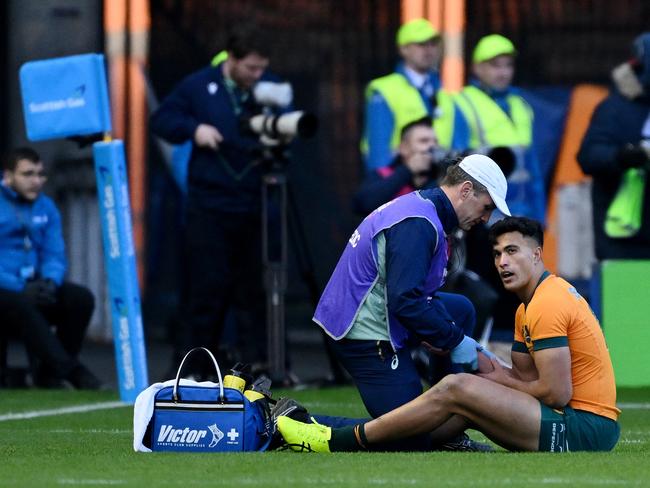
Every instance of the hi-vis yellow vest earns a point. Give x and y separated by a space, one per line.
406 104
489 125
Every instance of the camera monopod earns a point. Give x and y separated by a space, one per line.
274 256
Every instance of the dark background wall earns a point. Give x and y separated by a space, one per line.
40 29
329 49
561 41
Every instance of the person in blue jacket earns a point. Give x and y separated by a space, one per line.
223 211
33 294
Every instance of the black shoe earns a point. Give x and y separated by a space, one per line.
286 407
82 379
463 443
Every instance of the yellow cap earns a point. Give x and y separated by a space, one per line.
234 382
492 46
253 395
418 30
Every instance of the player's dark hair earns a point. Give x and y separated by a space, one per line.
11 160
422 122
525 226
248 38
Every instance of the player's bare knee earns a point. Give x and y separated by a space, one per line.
457 386
447 389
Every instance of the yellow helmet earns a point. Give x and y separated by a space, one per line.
492 46
417 30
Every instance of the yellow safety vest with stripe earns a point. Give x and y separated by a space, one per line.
489 125
405 102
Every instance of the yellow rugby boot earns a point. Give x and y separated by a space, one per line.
302 437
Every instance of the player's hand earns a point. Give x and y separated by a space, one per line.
485 361
207 136
499 373
465 354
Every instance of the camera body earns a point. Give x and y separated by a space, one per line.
275 128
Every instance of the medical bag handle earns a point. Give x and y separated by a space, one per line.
222 396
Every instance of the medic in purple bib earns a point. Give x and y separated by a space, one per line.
383 298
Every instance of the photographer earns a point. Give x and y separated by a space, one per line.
413 168
223 224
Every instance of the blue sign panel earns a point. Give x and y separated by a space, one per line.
65 97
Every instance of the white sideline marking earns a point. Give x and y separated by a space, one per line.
62 411
68 481
339 481
90 431
633 406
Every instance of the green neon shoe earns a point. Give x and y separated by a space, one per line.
302 437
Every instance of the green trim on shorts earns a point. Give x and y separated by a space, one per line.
550 343
569 430
519 347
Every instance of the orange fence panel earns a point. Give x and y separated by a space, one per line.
584 100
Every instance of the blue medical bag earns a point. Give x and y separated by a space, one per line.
207 419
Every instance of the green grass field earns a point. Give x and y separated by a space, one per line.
95 449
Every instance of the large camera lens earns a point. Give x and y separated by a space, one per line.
284 126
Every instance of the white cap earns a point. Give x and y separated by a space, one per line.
484 170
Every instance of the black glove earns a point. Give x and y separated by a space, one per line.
632 157
47 295
40 292
32 290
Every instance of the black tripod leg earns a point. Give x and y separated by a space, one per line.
306 269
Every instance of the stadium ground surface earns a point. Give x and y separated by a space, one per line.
64 438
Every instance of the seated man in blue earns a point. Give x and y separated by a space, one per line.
33 296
